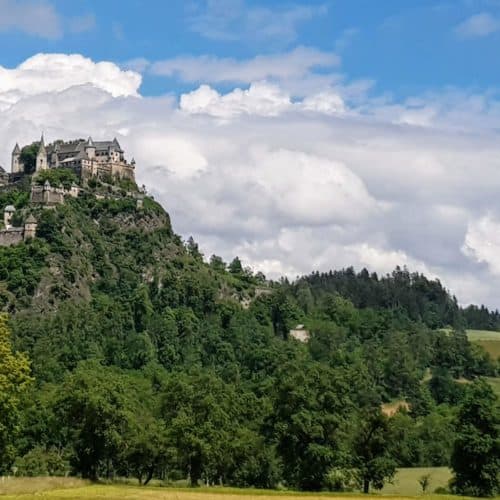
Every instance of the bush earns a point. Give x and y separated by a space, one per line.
40 462
340 479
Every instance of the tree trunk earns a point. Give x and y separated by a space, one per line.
366 486
149 476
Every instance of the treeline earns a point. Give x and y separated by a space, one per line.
409 294
144 361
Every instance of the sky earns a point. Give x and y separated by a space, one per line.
299 136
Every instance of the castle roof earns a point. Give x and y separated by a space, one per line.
9 208
77 148
30 219
17 149
42 149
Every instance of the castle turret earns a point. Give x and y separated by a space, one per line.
90 148
30 226
41 157
16 165
8 212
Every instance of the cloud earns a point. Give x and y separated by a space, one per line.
233 20
36 17
40 18
291 184
482 242
261 98
293 64
44 73
478 25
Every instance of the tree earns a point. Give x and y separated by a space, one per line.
424 482
93 406
201 413
217 264
308 421
28 157
14 380
476 453
235 267
193 249
371 451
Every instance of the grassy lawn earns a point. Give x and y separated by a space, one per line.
489 341
405 486
480 335
112 492
406 480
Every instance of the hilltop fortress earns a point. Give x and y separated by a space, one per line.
103 161
87 158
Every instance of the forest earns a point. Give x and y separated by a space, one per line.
125 352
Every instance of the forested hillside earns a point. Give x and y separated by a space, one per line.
142 358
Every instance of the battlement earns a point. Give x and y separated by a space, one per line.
50 195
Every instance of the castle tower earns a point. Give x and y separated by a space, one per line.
16 165
41 157
90 149
8 212
54 157
30 226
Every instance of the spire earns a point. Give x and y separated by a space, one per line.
17 149
90 143
42 145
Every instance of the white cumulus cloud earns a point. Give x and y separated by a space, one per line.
291 184
482 242
44 73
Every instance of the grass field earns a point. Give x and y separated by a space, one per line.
476 335
490 341
406 480
495 383
405 486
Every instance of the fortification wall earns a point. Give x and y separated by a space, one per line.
10 237
51 196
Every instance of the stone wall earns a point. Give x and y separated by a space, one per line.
48 195
10 237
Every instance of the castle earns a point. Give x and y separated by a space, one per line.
87 158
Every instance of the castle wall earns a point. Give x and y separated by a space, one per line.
10 237
50 196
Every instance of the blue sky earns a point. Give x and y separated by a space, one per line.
300 136
404 46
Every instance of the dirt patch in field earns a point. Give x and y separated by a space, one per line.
390 409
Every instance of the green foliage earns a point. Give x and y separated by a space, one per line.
56 177
371 447
151 363
28 157
14 381
40 462
476 454
17 197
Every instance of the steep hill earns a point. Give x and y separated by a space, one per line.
149 361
